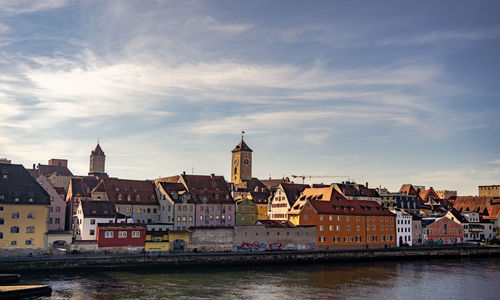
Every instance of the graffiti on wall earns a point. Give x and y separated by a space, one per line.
273 247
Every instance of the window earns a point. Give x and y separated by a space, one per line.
305 217
154 210
139 210
367 227
92 232
136 234
348 218
1 221
14 229
15 215
339 218
368 237
321 227
13 243
321 218
357 218
191 218
129 209
348 228
92 221
331 227
382 227
1 235
122 234
338 227
30 229
373 227
330 218
30 215
184 219
358 228
321 238
108 234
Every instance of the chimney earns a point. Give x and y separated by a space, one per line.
212 175
34 166
184 173
367 184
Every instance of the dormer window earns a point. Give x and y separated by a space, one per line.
137 198
129 198
16 199
5 176
31 199
120 197
117 189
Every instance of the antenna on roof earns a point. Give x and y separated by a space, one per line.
192 168
98 141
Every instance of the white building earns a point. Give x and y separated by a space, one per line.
404 234
284 198
90 213
474 227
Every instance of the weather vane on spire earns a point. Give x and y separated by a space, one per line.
97 140
242 133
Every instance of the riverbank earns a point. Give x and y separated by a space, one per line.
178 260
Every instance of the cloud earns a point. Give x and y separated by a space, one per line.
495 162
483 33
29 6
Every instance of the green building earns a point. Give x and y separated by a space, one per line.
246 211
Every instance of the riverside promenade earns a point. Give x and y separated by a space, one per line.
177 260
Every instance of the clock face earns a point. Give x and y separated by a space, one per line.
246 161
236 161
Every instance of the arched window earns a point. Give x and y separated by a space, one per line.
30 229
14 229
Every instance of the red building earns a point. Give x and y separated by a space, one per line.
444 231
121 235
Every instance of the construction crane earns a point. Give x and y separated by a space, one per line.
303 177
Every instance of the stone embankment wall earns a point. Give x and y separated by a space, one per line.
232 258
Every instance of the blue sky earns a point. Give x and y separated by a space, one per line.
388 92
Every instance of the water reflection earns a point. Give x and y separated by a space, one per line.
455 278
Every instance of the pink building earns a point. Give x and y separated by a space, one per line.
445 231
57 209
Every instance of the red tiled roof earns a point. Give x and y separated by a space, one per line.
350 207
140 192
356 190
208 188
488 207
174 189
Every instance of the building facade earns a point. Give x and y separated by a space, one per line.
80 188
177 207
57 208
90 213
284 198
241 163
343 223
121 235
24 209
444 231
489 190
135 199
404 227
246 212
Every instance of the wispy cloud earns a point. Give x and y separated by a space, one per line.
29 6
483 33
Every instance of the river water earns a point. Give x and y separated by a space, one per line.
470 278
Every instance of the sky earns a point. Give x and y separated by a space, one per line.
385 92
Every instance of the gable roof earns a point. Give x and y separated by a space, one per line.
47 170
293 191
174 189
242 146
207 188
328 200
273 184
19 187
408 189
82 186
137 192
276 224
99 209
356 190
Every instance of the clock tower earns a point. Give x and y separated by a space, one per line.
241 163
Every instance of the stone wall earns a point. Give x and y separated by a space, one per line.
211 239
258 237
253 258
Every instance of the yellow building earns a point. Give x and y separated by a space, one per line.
24 207
163 241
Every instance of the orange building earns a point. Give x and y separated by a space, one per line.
343 223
